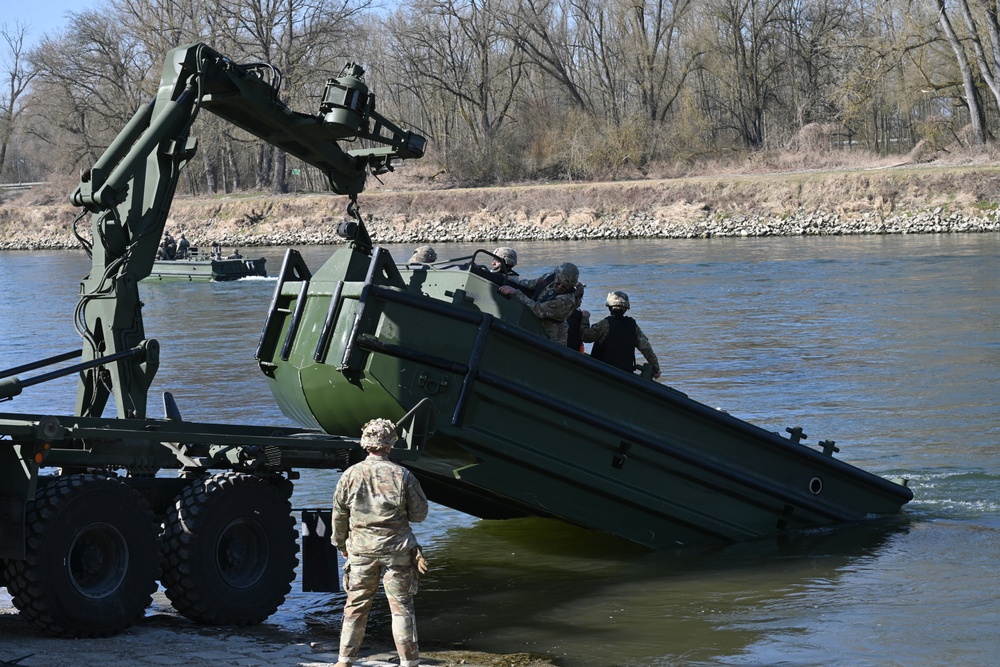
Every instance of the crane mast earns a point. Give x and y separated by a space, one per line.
129 190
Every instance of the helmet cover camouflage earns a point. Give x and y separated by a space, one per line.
378 434
423 255
617 300
508 255
567 274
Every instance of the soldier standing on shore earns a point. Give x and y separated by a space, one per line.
373 506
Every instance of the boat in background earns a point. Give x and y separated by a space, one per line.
208 267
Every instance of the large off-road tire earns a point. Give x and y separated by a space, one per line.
229 550
92 558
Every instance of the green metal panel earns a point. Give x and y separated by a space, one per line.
17 485
529 426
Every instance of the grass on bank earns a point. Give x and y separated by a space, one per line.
419 195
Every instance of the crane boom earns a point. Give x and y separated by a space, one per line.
128 192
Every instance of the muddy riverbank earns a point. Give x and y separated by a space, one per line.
167 640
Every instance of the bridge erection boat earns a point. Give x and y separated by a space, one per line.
529 427
206 267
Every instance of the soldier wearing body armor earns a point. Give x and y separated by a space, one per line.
551 298
183 247
506 260
617 337
373 506
169 246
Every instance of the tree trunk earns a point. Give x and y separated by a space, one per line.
977 118
211 173
279 184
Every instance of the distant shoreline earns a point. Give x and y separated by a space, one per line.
917 200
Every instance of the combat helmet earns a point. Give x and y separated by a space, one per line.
508 255
567 274
617 299
423 255
378 434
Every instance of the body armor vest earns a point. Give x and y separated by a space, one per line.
618 347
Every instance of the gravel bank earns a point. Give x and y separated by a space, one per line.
939 200
648 225
577 225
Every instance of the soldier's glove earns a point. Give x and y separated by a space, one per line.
420 562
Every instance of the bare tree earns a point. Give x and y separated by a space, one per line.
162 25
456 48
977 117
400 94
548 32
18 72
514 88
818 33
979 20
746 62
300 38
660 61
90 81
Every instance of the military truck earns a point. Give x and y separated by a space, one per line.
95 509
500 422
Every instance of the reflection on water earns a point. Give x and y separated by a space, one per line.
888 345
536 585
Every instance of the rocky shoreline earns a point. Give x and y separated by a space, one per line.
917 201
576 227
648 225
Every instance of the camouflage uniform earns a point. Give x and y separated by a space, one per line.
169 246
373 506
550 306
599 332
183 248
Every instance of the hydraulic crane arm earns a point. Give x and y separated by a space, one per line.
128 192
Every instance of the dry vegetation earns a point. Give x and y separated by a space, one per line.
412 200
509 91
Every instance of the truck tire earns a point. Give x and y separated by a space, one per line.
229 550
92 558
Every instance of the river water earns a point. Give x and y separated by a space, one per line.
888 345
